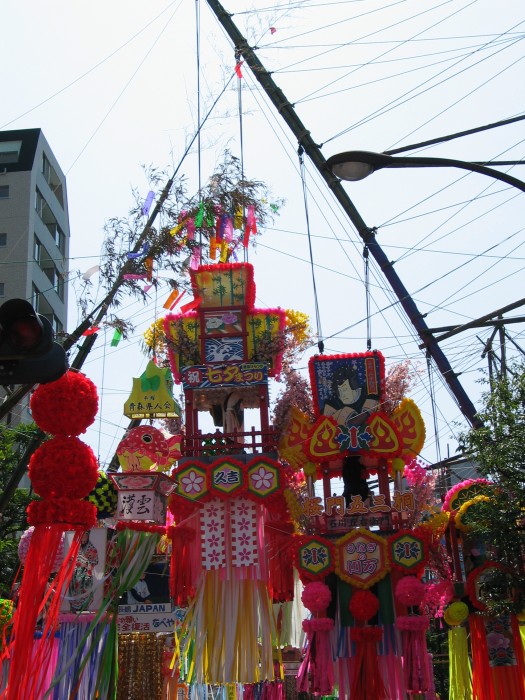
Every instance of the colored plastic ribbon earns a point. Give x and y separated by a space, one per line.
147 203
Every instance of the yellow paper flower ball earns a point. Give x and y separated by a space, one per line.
398 464
456 613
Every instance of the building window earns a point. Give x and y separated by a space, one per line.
48 218
3 240
2 289
4 191
52 179
9 152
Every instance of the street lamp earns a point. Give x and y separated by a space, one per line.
356 165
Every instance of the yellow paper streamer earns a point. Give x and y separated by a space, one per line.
460 672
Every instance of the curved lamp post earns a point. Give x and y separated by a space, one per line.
356 165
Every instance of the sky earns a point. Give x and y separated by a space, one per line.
118 86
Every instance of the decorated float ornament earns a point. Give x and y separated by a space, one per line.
63 471
361 558
316 673
498 666
142 496
313 557
226 328
463 516
228 511
409 551
104 497
463 492
152 395
410 591
146 448
460 668
411 428
367 680
490 581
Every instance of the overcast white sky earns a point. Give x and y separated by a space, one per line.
114 86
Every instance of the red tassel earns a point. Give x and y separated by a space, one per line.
182 587
414 643
367 683
317 667
280 561
34 597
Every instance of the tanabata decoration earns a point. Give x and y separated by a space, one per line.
460 671
146 448
410 591
314 557
367 681
64 472
316 673
203 337
498 666
408 551
67 406
466 513
23 549
463 492
361 558
152 395
104 496
222 546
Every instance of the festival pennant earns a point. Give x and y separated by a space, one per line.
91 331
148 264
170 301
191 305
238 68
131 276
147 203
117 337
140 253
195 258
88 273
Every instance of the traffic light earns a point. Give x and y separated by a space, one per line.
28 353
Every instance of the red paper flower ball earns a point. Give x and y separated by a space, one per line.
67 406
363 605
410 591
316 596
63 467
72 513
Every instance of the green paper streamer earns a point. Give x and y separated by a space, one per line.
200 215
117 335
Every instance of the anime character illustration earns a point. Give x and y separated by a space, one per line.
80 589
350 400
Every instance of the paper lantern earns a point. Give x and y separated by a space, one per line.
143 496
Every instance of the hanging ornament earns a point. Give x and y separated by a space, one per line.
251 225
316 673
67 406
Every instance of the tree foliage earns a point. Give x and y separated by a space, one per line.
12 520
498 448
170 244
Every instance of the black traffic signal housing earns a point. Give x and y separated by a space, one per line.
28 352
